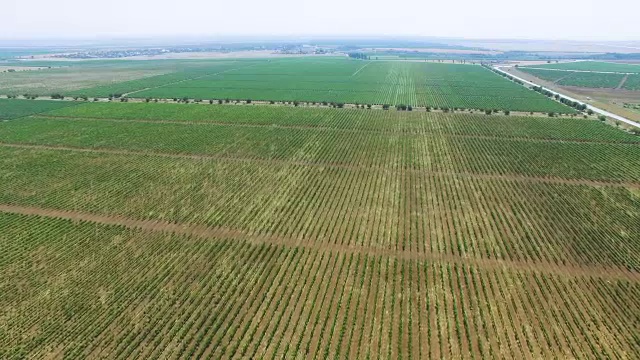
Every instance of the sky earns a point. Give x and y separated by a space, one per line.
495 19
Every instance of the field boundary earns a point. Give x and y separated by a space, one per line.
304 104
222 233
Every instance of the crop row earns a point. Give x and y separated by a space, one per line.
86 290
413 212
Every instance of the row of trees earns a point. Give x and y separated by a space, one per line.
574 104
361 56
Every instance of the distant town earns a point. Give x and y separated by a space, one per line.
125 53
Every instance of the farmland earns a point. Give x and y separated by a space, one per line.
580 79
632 83
594 66
10 109
151 230
418 84
336 80
102 77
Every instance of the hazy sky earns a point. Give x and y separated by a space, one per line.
540 19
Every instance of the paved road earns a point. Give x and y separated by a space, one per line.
595 109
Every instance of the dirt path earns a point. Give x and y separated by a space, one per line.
512 177
624 80
365 65
562 78
323 244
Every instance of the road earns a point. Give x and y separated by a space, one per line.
595 109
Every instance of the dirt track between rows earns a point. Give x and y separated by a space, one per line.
201 231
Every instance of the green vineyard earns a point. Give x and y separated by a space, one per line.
580 79
170 231
315 80
594 66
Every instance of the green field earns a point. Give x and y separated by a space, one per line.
594 66
11 109
151 230
632 83
300 79
350 81
189 71
580 79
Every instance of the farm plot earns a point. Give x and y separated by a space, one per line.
410 211
348 81
149 294
351 119
186 72
549 75
594 66
632 83
71 78
607 161
143 231
580 79
11 109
